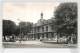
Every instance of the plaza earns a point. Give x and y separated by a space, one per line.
36 44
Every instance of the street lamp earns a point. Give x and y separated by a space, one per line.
20 31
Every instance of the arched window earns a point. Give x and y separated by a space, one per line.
46 28
43 29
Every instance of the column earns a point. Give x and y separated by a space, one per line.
49 36
40 36
52 35
33 37
36 36
28 37
45 36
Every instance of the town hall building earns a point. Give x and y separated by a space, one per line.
43 29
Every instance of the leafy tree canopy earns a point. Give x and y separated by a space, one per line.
66 18
9 27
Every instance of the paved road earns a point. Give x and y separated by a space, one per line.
36 44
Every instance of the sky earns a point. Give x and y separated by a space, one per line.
28 11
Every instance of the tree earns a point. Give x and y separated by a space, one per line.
66 18
65 14
24 27
9 27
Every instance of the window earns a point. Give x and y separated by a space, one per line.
42 29
46 28
38 29
35 29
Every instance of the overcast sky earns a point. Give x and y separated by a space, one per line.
28 11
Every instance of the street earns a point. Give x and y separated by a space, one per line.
36 44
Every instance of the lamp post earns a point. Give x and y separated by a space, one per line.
20 31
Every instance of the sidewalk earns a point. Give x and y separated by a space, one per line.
24 42
36 44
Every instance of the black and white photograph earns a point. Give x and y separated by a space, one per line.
40 25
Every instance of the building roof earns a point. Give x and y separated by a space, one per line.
42 21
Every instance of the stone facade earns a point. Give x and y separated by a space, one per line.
43 29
